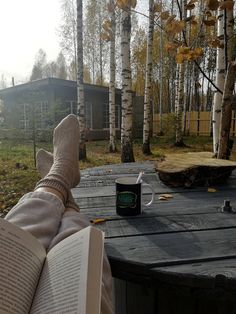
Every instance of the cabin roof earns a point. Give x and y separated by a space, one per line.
53 82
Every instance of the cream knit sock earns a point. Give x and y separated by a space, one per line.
64 173
44 162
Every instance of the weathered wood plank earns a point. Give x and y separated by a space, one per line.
173 248
172 223
213 274
195 301
191 202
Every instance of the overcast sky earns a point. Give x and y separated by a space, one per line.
25 27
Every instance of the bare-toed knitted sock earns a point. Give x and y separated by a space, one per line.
64 173
44 162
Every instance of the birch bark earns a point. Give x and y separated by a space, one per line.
220 79
112 95
80 82
179 106
148 83
225 145
179 100
126 120
228 98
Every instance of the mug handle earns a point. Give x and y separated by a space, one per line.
153 194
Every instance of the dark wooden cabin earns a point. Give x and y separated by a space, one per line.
43 103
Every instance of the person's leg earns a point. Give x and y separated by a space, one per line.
40 212
44 162
73 221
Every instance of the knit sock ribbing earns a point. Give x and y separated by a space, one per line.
44 162
64 173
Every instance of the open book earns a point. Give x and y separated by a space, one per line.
66 280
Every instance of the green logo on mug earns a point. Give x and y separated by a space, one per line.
126 199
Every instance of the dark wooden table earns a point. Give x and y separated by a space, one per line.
179 256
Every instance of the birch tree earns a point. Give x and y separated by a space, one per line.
219 82
179 101
228 97
226 116
112 92
95 46
148 83
126 120
68 35
80 82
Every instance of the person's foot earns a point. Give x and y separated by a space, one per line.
64 173
44 162
66 150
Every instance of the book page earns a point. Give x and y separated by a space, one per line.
21 262
63 284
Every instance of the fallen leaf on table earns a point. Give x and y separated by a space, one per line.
97 220
167 195
162 198
211 190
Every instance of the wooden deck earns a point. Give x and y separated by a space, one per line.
179 256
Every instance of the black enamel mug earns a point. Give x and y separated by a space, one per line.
129 196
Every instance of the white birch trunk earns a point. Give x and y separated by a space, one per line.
100 44
148 83
179 100
126 120
220 79
80 82
179 106
112 94
226 116
225 144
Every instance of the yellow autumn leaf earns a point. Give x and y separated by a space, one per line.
190 6
211 190
183 50
170 19
179 58
194 22
121 4
164 15
167 195
190 56
133 3
105 37
210 22
212 4
157 7
107 25
198 51
170 46
179 25
226 5
97 220
214 42
162 198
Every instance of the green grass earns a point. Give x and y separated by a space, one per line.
19 176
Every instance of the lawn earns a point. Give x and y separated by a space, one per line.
18 174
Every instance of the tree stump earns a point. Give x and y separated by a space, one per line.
194 169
